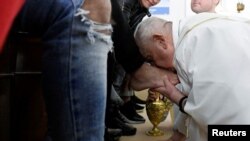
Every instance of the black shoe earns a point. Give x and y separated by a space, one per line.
138 107
127 130
129 111
123 118
112 134
138 100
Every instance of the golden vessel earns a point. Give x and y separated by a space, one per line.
157 112
169 105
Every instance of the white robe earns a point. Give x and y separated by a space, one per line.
212 58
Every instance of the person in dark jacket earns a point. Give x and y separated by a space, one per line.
127 53
126 15
133 11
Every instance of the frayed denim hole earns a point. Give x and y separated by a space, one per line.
82 13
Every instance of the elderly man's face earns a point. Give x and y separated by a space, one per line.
149 3
161 52
199 6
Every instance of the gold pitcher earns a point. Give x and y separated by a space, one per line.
156 111
169 105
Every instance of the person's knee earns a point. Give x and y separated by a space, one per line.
99 11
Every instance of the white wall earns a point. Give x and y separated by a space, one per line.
226 7
188 8
181 8
177 9
229 7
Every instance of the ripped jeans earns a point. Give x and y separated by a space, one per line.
74 67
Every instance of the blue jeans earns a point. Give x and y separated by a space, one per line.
74 67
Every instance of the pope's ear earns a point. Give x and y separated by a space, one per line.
159 39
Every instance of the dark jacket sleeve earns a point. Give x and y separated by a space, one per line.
125 48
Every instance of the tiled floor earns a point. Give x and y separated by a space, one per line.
165 126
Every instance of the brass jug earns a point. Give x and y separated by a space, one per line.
169 105
156 111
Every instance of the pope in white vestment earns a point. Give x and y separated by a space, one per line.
212 59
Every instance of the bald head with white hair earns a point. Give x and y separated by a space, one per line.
154 39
